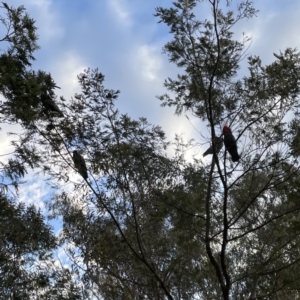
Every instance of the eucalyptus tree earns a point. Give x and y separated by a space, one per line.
22 89
28 268
251 232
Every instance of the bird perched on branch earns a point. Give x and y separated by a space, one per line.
50 126
80 165
230 143
50 105
218 146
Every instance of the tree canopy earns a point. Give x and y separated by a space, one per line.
137 222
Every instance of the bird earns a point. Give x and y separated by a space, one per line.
230 143
50 105
50 126
80 165
218 146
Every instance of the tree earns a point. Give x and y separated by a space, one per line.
28 268
247 240
149 226
22 88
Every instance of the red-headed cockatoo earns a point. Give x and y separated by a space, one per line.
218 146
230 143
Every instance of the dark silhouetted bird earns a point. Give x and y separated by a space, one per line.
50 126
230 143
50 105
218 146
80 165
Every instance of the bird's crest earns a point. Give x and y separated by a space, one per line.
226 129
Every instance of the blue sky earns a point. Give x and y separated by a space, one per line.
123 39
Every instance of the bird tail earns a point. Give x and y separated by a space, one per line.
208 151
235 157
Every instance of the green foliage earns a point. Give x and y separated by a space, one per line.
25 239
27 267
21 87
23 90
247 216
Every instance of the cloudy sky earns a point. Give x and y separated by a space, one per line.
123 39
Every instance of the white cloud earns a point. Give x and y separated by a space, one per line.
148 62
33 191
65 71
47 20
274 28
6 139
120 11
39 3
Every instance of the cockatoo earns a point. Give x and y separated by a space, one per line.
230 143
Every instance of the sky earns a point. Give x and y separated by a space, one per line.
124 40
